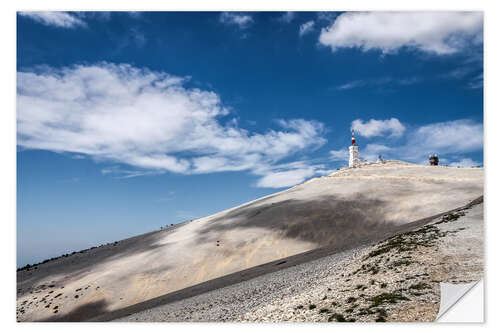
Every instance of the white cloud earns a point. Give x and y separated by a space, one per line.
465 163
339 155
242 21
287 17
147 120
306 28
450 138
376 148
58 19
285 178
289 174
375 127
373 150
432 32
458 136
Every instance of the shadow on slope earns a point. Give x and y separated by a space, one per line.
81 313
325 220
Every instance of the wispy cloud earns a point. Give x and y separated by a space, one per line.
135 14
99 15
471 74
287 17
138 36
57 19
119 173
438 33
306 28
339 155
458 73
352 85
327 17
150 121
476 82
72 19
379 82
242 21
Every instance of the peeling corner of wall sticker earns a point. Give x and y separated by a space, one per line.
461 302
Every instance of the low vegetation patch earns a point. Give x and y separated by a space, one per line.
367 268
365 312
351 299
393 297
420 286
340 318
399 263
451 217
409 241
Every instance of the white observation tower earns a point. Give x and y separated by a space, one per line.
353 152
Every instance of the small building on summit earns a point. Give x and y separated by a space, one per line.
433 159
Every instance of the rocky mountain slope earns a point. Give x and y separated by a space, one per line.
396 279
348 206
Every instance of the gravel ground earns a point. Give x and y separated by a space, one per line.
394 280
230 303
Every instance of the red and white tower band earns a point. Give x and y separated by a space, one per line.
353 152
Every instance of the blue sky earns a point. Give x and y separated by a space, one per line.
130 121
